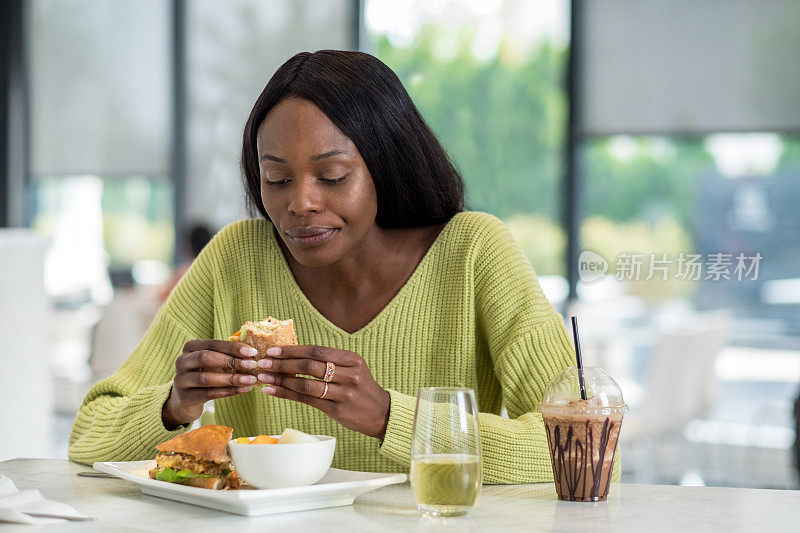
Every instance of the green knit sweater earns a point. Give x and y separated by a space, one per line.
471 315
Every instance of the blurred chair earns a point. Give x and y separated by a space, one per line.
123 325
679 387
26 392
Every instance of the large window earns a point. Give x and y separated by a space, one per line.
688 166
701 299
488 78
100 138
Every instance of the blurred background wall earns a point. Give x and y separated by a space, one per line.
645 154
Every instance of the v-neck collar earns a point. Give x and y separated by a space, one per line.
301 297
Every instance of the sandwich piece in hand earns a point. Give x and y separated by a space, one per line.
266 334
198 458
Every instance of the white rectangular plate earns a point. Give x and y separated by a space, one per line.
338 487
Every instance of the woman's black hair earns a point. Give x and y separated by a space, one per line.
416 182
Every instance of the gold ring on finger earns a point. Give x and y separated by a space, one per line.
324 392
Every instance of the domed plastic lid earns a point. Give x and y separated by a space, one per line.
563 394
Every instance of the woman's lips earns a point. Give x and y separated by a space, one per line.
311 237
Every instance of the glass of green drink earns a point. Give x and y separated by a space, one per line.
446 471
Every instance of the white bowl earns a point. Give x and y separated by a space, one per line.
275 466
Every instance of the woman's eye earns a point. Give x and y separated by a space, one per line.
331 181
276 182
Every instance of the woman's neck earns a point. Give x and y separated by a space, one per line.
354 290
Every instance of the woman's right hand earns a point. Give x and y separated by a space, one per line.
206 370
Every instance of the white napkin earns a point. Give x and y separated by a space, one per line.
15 506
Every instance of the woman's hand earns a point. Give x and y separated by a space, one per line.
206 370
353 398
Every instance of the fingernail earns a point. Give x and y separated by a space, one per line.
249 363
247 379
248 350
265 363
268 390
274 351
245 389
266 378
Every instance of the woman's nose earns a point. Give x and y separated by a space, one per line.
305 198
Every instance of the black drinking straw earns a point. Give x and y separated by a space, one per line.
578 357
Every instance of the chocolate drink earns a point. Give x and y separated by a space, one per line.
583 441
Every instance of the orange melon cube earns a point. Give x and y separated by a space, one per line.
264 439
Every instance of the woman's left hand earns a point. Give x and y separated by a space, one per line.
353 398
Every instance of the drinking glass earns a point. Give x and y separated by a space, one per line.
446 472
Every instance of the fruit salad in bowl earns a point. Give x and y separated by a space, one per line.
291 459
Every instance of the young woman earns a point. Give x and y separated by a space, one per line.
361 238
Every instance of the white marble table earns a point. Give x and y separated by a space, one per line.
118 505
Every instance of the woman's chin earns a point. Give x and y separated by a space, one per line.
315 257
314 252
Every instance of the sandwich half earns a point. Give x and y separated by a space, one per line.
265 334
198 458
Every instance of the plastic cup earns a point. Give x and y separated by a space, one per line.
583 434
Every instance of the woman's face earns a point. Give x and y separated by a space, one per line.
315 187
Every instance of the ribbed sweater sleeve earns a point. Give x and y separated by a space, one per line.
528 345
120 418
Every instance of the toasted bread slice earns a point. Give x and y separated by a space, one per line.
209 443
